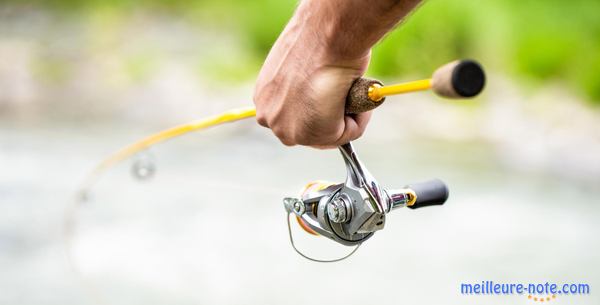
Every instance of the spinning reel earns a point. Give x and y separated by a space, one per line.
351 212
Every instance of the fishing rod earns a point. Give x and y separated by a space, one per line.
350 212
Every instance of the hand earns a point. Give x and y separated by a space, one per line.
301 90
300 96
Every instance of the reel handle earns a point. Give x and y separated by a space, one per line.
457 79
432 192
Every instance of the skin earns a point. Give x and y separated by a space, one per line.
301 89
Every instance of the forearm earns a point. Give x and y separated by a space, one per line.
347 29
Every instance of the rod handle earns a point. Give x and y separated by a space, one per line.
358 100
458 79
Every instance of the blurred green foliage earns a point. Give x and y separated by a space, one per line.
527 39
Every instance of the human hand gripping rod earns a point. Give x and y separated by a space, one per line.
351 212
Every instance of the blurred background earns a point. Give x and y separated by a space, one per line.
79 79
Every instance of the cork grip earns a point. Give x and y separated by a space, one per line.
358 100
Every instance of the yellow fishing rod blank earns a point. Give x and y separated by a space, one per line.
377 92
129 150
458 79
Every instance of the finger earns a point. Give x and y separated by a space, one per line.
324 146
283 136
362 120
354 127
262 121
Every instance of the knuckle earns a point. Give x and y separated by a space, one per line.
286 142
284 136
261 118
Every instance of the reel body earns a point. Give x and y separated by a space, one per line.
351 212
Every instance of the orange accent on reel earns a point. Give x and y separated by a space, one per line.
317 185
313 186
305 227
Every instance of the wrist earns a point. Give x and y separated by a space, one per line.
348 29
324 34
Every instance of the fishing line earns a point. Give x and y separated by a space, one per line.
83 193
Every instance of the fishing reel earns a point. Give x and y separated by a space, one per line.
351 212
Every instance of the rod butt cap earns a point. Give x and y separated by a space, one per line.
459 79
